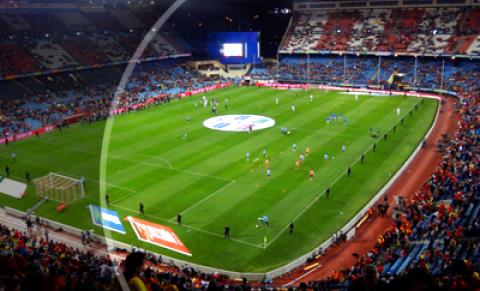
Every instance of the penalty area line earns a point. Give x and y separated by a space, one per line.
204 199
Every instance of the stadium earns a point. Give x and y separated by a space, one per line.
239 144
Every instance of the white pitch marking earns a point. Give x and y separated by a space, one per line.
204 199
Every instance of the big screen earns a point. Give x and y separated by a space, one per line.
234 47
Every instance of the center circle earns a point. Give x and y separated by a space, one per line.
239 123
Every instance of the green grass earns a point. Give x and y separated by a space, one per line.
208 180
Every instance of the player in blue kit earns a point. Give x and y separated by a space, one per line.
265 220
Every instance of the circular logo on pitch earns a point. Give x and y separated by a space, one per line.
239 123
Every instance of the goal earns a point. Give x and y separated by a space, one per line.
59 188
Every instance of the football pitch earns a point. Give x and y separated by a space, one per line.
166 159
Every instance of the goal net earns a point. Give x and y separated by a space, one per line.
59 188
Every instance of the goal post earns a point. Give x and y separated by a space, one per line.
59 188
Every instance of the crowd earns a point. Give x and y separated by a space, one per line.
33 261
414 31
32 42
458 76
29 261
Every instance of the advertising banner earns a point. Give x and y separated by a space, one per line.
30 133
157 234
106 218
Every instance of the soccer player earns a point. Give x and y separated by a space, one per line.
297 163
247 156
291 227
107 199
327 193
185 136
294 147
302 158
311 98
269 173
345 120
14 157
265 220
398 111
277 101
344 148
307 151
293 108
226 232
179 218
311 174
264 153
349 171
250 129
141 209
7 170
267 163
325 156
226 103
356 97
27 177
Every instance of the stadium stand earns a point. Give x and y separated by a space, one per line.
363 70
67 39
15 59
434 241
425 31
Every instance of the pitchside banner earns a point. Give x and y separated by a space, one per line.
106 218
157 234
